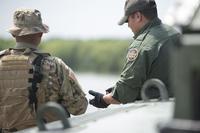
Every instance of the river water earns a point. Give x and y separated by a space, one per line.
96 82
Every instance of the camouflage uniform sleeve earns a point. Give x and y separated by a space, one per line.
73 98
134 74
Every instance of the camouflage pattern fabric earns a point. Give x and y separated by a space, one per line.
27 21
59 84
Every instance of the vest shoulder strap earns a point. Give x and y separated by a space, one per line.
37 78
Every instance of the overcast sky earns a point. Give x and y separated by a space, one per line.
82 19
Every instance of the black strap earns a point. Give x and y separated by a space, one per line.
37 78
8 130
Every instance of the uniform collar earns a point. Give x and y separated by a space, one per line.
145 28
22 45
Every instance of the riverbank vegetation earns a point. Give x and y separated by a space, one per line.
103 55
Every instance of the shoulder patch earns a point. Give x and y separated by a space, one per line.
132 54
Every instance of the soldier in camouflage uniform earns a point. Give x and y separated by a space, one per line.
29 78
147 56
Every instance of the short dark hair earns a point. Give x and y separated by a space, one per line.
150 13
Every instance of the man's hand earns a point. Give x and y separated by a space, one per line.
97 101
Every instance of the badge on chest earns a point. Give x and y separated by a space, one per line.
132 54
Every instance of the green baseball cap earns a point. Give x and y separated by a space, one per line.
26 22
132 6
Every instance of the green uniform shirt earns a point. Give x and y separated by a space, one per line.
147 58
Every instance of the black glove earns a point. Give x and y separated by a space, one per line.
97 101
109 90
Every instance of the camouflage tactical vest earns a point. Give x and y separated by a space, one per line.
16 76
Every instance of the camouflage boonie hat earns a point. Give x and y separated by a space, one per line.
26 22
132 6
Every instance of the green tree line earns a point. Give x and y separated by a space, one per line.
103 55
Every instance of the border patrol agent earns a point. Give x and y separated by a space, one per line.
147 56
29 78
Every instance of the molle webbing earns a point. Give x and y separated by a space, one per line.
14 68
14 75
19 78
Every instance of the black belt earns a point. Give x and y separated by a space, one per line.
2 130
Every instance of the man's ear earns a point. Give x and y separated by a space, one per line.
138 15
